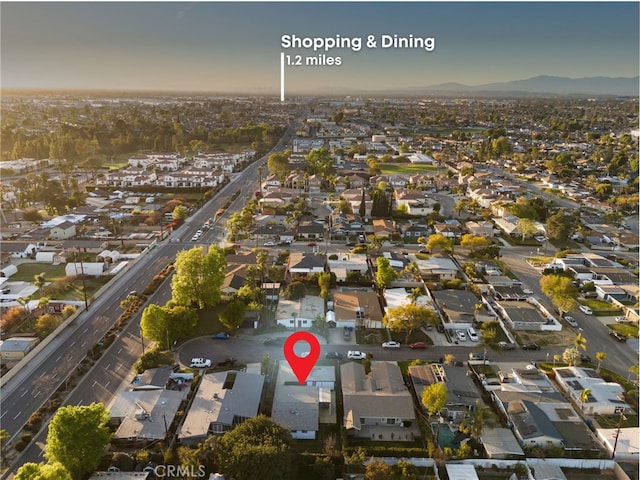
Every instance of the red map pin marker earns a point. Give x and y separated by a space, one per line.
301 366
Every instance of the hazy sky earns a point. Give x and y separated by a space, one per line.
236 46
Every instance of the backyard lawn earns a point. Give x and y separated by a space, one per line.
405 168
625 329
26 272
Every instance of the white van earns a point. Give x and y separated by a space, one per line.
473 335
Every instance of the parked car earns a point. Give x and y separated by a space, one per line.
391 344
200 363
461 335
418 345
132 293
571 321
586 310
473 335
530 346
227 362
269 244
622 320
507 345
618 336
336 355
478 356
272 341
584 358
356 355
220 336
312 244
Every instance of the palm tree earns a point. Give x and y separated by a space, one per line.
487 339
556 358
415 294
584 396
600 356
580 342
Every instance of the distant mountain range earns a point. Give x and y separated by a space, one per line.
545 84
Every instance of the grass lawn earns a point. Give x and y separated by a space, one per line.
625 329
26 272
371 336
611 421
208 322
595 304
405 168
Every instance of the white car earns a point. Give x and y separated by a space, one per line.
269 244
200 363
391 344
461 335
622 320
195 238
356 355
571 321
586 310
473 336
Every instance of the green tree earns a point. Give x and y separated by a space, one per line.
42 471
571 356
179 213
377 469
437 240
78 437
233 314
320 161
473 242
407 318
404 470
561 291
168 324
39 280
526 228
560 225
324 282
47 323
257 447
198 276
385 274
434 398
278 164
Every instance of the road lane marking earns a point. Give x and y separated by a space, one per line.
94 383
73 343
120 350
107 367
23 393
37 395
59 357
107 384
18 414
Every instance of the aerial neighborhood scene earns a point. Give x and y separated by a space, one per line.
425 273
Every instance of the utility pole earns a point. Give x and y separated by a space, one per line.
619 411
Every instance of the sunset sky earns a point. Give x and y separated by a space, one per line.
235 47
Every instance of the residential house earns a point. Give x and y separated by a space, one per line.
223 401
347 264
297 407
15 349
481 229
234 279
383 228
412 231
377 406
604 398
458 307
299 313
356 309
314 184
310 230
63 231
449 230
305 264
19 249
144 416
441 268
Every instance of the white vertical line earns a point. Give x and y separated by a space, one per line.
282 76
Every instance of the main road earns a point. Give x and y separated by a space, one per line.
34 384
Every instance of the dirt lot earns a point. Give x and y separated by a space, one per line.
563 338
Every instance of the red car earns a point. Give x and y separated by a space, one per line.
311 244
418 346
